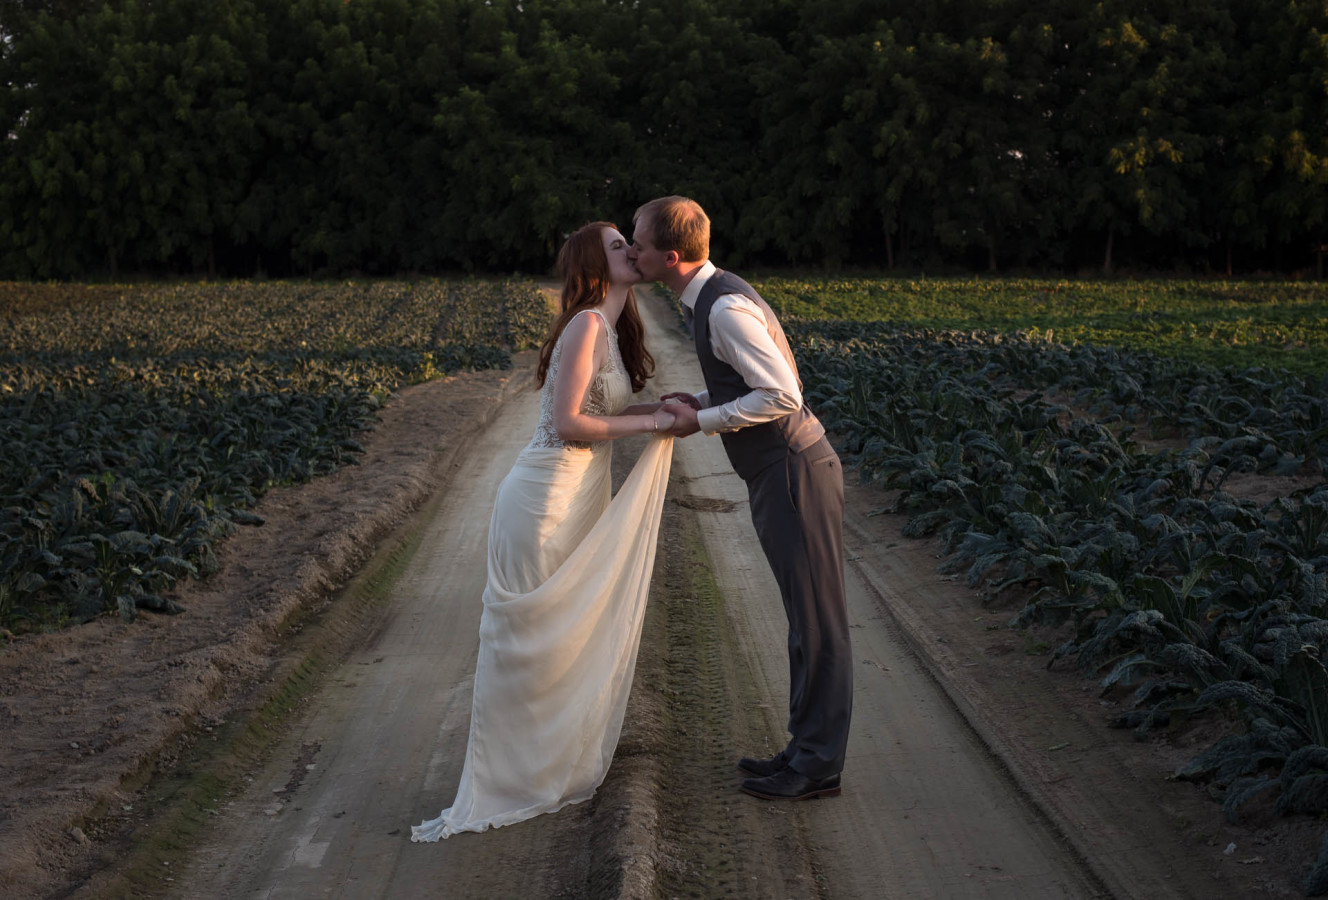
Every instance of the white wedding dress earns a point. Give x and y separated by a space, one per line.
569 573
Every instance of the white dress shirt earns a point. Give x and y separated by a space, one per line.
740 336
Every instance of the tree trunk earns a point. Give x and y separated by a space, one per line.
991 256
1106 260
1228 256
212 259
888 220
110 256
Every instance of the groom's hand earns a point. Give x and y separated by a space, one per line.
681 397
684 420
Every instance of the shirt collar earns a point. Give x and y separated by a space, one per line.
689 293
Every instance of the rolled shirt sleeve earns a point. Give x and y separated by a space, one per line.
740 337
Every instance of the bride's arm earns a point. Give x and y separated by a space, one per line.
576 367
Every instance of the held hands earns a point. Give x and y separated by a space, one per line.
663 419
681 408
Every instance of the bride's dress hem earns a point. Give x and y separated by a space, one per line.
434 830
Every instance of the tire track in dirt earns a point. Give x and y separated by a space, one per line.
391 724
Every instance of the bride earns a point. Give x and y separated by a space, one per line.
569 564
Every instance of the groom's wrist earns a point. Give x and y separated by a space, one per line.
708 420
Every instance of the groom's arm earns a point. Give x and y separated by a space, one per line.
739 336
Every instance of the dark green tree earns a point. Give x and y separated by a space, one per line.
382 136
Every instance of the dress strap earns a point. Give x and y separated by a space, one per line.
600 313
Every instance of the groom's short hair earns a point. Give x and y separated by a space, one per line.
678 223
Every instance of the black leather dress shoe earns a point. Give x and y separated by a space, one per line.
763 768
788 784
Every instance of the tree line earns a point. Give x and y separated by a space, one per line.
399 136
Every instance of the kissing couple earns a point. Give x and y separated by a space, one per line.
570 563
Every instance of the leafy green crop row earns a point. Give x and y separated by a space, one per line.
1242 324
1189 595
137 425
1101 482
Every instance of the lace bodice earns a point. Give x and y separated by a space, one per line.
610 390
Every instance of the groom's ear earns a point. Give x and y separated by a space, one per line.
671 258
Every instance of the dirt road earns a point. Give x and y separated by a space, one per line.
930 807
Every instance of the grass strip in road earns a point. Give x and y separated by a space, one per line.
712 839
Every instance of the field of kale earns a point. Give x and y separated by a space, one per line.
1243 324
1076 445
139 424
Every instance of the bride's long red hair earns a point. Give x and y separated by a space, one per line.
583 267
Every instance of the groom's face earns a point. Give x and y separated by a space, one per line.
650 261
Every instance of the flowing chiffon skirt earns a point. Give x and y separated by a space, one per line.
569 575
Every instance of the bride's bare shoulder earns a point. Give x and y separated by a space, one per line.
583 333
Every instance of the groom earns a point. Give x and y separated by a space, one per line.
753 400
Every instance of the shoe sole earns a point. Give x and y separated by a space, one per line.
810 795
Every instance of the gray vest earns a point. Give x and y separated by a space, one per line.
753 448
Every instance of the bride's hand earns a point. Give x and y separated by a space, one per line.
663 419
